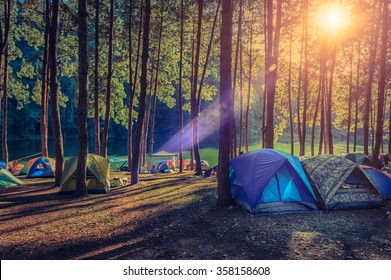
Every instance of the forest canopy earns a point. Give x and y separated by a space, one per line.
328 68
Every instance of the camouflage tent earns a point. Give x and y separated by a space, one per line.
340 183
359 158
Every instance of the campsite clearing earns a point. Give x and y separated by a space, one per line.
174 216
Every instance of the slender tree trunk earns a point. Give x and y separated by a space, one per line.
138 47
368 95
131 93
105 133
96 82
381 86
300 77
180 92
226 105
323 76
250 67
265 22
357 97
272 67
143 93
54 105
44 86
372 122
384 116
329 127
194 103
316 115
290 94
238 46
82 129
5 107
148 116
191 87
241 130
350 100
152 134
305 82
4 52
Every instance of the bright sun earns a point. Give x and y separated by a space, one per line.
334 18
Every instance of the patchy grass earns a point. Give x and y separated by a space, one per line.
174 216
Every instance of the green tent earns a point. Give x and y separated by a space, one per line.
359 158
8 180
339 183
98 175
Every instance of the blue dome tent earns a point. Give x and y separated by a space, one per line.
270 181
41 167
380 180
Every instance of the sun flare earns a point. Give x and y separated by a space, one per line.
334 18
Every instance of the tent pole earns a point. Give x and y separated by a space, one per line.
278 187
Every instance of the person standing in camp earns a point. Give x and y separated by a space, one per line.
153 170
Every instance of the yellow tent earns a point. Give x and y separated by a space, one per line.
98 175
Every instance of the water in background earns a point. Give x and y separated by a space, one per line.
22 148
117 148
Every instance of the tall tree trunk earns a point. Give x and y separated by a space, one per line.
5 107
241 130
350 100
193 98
54 105
357 97
238 46
180 92
148 116
82 129
143 93
4 52
323 75
381 86
272 66
265 22
234 144
133 88
44 86
305 81
105 133
152 134
250 67
191 88
131 95
290 94
226 105
329 124
371 72
300 78
96 82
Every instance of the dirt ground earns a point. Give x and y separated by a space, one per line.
173 216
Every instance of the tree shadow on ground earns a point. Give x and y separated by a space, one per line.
160 221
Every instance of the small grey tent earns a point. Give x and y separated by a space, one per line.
358 158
